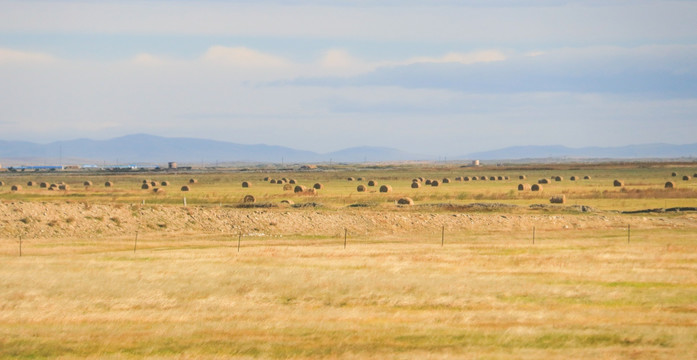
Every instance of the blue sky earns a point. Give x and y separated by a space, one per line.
444 78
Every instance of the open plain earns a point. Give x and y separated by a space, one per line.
474 269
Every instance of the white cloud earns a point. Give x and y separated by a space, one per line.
10 56
147 60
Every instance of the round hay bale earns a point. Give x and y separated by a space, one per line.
153 183
360 179
285 179
543 181
670 185
185 188
281 181
405 201
499 178
558 199
30 183
523 187
43 185
318 186
53 186
266 178
108 184
587 177
158 191
435 183
558 178
618 183
146 186
428 182
506 178
446 181
249 199
2 183
415 185
273 181
292 181
415 180
372 183
522 177
673 174
466 178
164 183
686 178
193 181
350 179
483 178
492 178
474 178
16 188
87 183
146 181
694 175
421 179
573 178
246 184
361 188
299 189
386 188
287 187
63 187
536 187
289 202
458 178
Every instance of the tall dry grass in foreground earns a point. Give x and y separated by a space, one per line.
586 295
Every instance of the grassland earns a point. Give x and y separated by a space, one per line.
291 289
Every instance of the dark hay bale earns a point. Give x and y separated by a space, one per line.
558 178
318 186
361 179
466 178
146 186
482 178
43 185
536 187
415 180
246 184
492 178
53 186
523 187
287 187
299 189
30 183
386 188
153 183
499 177
284 179
146 181
16 188
273 181
266 178
193 181
686 178
281 181
446 181
573 178
158 191
458 178
474 178
108 184
164 183
185 188
543 181
558 199
506 178
415 185
673 174
87 183
670 185
405 201
587 177
694 175
361 188
421 179
428 181
249 199
522 177
63 187
372 183
618 183
2 183
435 183
292 181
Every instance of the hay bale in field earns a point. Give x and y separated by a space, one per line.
415 185
87 183
618 183
405 201
63 187
522 177
372 183
53 187
146 186
43 185
289 202
458 178
558 199
2 183
421 179
523 187
694 175
351 179
428 182
299 189
543 181
536 187
506 178
435 183
386 188
30 183
292 181
146 181
573 178
158 191
475 178
266 178
287 187
558 178
361 188
318 186
492 178
686 178
673 174
285 179
499 177
587 177
670 185
185 188
246 184
164 183
108 184
281 181
193 181
360 179
16 188
483 178
446 181
153 183
273 181
415 180
249 199
466 178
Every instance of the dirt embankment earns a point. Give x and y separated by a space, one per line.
58 220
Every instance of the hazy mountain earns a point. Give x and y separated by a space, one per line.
372 154
558 151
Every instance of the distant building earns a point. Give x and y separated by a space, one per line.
171 165
475 162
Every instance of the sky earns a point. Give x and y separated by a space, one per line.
437 77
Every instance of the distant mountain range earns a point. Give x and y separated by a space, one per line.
144 149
